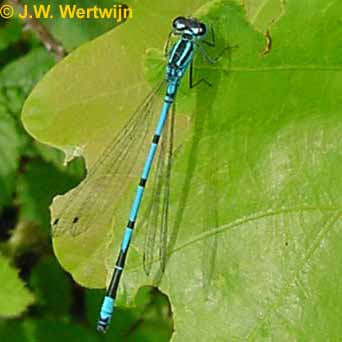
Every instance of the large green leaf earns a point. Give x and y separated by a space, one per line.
14 297
262 14
255 231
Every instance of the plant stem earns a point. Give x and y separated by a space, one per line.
49 41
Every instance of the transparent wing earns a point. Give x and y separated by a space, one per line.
156 218
93 203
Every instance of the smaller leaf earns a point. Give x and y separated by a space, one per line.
26 71
54 330
52 288
12 330
9 156
10 33
14 297
149 321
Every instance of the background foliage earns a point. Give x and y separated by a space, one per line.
38 300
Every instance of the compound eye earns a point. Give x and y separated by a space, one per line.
199 30
180 24
202 30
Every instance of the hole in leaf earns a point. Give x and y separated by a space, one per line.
75 220
155 306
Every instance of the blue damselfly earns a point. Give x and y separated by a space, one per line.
104 172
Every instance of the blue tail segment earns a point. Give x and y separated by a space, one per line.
127 239
105 314
149 161
180 57
136 203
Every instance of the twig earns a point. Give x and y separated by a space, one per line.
49 41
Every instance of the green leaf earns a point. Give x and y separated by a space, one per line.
265 13
9 156
16 80
26 71
10 33
254 247
148 321
55 331
52 288
12 331
14 297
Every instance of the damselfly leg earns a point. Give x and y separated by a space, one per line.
207 58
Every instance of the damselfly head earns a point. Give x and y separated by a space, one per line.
189 25
180 24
